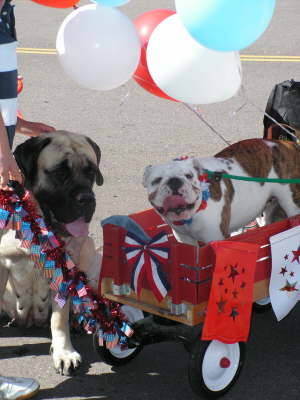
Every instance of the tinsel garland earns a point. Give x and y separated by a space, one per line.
95 313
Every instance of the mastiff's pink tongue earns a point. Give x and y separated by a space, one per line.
173 202
78 227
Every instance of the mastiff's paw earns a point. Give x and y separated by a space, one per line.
66 362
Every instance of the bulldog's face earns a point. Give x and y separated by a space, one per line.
60 169
174 188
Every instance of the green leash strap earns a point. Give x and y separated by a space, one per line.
217 176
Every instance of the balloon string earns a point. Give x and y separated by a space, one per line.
195 111
248 101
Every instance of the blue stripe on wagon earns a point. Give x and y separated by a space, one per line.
8 84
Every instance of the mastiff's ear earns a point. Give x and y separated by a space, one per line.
96 148
27 154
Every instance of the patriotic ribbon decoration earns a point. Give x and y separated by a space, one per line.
204 185
147 258
94 313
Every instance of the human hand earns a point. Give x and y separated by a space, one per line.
29 128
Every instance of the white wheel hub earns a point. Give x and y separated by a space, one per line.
220 364
133 314
263 302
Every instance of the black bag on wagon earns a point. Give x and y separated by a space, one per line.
283 106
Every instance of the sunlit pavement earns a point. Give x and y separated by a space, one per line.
135 129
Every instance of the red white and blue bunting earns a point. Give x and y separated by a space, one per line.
148 258
95 313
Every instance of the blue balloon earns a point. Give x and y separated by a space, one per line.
111 3
225 25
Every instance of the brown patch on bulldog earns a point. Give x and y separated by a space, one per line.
216 195
286 162
226 211
254 155
215 190
215 187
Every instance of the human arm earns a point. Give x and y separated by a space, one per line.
8 165
30 128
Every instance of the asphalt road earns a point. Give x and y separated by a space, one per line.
135 129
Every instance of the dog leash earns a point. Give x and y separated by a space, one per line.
217 176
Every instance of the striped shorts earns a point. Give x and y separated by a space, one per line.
8 87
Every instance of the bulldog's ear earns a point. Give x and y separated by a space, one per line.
96 148
197 165
146 175
27 154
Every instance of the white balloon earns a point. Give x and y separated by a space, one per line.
188 71
98 47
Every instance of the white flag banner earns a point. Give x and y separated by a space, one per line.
285 277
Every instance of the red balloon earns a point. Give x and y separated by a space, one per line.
57 3
145 25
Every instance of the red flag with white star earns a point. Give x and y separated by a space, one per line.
231 294
285 277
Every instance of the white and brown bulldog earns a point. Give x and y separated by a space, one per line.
201 210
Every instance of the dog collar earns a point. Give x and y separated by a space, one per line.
204 185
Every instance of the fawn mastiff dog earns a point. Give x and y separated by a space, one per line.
60 170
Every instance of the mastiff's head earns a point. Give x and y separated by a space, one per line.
60 169
174 188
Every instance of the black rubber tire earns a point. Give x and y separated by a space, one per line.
107 355
115 356
261 308
195 371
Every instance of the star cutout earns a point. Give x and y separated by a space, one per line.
235 293
292 273
289 287
286 257
221 282
233 272
234 313
296 254
283 271
221 305
243 285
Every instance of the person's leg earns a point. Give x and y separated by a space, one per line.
13 388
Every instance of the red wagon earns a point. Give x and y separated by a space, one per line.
214 366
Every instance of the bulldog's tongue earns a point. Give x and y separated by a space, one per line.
78 227
173 202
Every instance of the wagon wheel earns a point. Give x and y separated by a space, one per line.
215 366
262 305
116 356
